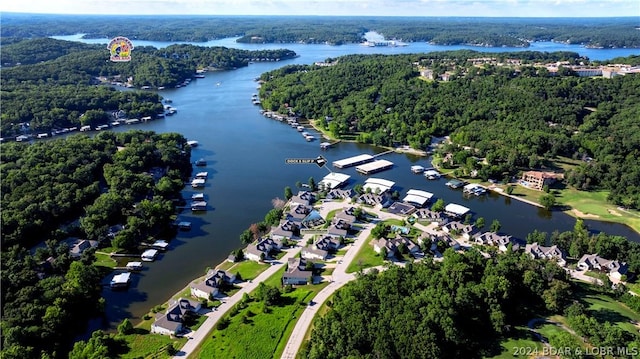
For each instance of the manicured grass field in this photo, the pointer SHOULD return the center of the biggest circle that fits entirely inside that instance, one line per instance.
(595, 203)
(248, 269)
(144, 345)
(605, 308)
(104, 260)
(255, 334)
(521, 341)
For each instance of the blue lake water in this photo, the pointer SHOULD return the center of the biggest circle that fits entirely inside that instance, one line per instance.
(246, 152)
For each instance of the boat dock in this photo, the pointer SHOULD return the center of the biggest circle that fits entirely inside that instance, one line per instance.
(374, 167)
(353, 161)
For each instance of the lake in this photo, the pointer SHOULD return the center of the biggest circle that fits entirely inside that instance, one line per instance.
(246, 153)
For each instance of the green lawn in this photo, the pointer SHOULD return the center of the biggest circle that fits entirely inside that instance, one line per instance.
(248, 269)
(104, 260)
(520, 341)
(255, 334)
(605, 308)
(365, 258)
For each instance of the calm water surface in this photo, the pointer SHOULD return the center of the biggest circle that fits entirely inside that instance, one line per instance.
(246, 152)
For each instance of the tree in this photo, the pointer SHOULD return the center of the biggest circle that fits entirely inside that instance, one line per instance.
(246, 236)
(495, 226)
(288, 193)
(125, 327)
(312, 184)
(548, 201)
(480, 223)
(509, 190)
(438, 206)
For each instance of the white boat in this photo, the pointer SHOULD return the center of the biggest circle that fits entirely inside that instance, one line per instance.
(199, 206)
(160, 244)
(197, 196)
(300, 128)
(202, 175)
(184, 225)
(134, 266)
(417, 169)
(201, 162)
(193, 143)
(149, 255)
(198, 182)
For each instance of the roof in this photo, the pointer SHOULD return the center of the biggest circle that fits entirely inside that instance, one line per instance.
(456, 209)
(334, 179)
(418, 197)
(375, 183)
(121, 278)
(374, 166)
(353, 160)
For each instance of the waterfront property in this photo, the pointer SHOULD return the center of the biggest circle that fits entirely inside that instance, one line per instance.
(537, 179)
(466, 231)
(134, 266)
(474, 189)
(305, 198)
(261, 249)
(171, 322)
(212, 284)
(373, 199)
(432, 216)
(149, 255)
(353, 161)
(392, 246)
(374, 167)
(454, 183)
(497, 240)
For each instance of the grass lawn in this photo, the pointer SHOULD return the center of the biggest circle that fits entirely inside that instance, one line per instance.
(255, 334)
(521, 341)
(634, 287)
(248, 269)
(594, 203)
(104, 260)
(142, 344)
(365, 258)
(605, 308)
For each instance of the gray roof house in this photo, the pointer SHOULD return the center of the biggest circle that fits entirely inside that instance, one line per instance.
(296, 273)
(333, 230)
(303, 198)
(260, 250)
(537, 251)
(337, 193)
(498, 240)
(80, 246)
(298, 213)
(467, 231)
(328, 243)
(614, 268)
(314, 253)
(285, 229)
(432, 216)
(392, 245)
(210, 287)
(170, 322)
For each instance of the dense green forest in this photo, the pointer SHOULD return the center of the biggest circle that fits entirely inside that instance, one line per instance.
(513, 118)
(596, 32)
(130, 178)
(461, 307)
(54, 89)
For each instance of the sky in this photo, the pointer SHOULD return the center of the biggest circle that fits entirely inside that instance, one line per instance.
(483, 8)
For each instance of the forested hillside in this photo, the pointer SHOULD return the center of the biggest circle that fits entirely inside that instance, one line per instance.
(55, 88)
(128, 178)
(513, 117)
(595, 32)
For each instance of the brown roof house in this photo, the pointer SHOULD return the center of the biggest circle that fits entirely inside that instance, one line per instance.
(171, 322)
(613, 268)
(296, 273)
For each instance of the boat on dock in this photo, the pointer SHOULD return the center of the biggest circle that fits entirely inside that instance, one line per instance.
(185, 226)
(198, 182)
(160, 244)
(134, 266)
(474, 189)
(325, 145)
(454, 184)
(300, 128)
(309, 138)
(193, 143)
(149, 255)
(417, 169)
(201, 162)
(199, 206)
(431, 174)
(202, 175)
(197, 196)
(120, 281)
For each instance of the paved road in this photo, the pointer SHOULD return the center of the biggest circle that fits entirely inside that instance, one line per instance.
(197, 337)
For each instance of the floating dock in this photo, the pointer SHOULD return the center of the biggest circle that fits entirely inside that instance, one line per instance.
(353, 161)
(418, 197)
(374, 167)
(456, 210)
(378, 185)
(334, 179)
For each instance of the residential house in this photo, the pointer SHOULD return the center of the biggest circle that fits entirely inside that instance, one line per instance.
(171, 322)
(337, 193)
(431, 216)
(613, 268)
(336, 231)
(79, 246)
(372, 199)
(391, 245)
(298, 213)
(313, 253)
(347, 215)
(304, 198)
(537, 251)
(210, 287)
(447, 240)
(285, 230)
(259, 251)
(296, 273)
(466, 231)
(537, 179)
(328, 243)
(497, 240)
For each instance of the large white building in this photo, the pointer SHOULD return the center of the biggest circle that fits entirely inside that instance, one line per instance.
(378, 185)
